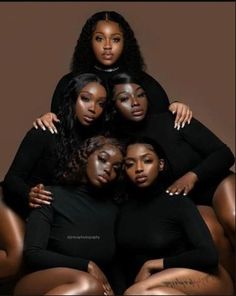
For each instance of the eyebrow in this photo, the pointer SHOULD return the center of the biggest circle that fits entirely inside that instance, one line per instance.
(87, 92)
(126, 92)
(140, 156)
(97, 32)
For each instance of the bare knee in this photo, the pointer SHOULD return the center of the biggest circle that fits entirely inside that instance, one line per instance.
(87, 284)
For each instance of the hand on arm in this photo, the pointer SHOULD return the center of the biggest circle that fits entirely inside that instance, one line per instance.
(46, 121)
(96, 272)
(148, 268)
(183, 185)
(183, 114)
(38, 196)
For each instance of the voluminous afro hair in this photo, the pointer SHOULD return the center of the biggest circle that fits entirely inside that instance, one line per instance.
(84, 59)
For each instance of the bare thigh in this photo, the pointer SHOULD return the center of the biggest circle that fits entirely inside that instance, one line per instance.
(58, 281)
(187, 281)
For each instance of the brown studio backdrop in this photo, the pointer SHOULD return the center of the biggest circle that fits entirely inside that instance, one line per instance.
(188, 47)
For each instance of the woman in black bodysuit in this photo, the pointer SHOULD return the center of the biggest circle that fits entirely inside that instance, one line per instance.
(40, 156)
(70, 244)
(200, 161)
(165, 245)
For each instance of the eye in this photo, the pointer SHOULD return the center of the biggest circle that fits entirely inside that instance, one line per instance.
(102, 158)
(141, 95)
(84, 98)
(102, 104)
(117, 167)
(123, 99)
(128, 164)
(148, 160)
(98, 38)
(116, 40)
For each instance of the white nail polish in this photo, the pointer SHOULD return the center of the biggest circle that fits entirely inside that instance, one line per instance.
(183, 124)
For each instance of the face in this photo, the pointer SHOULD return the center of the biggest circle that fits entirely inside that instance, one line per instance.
(90, 103)
(130, 101)
(103, 165)
(142, 165)
(107, 42)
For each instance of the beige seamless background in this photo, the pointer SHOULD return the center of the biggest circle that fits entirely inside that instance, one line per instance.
(189, 47)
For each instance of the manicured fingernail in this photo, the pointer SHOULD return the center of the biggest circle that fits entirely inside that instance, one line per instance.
(183, 124)
(185, 193)
(178, 127)
(51, 130)
(167, 191)
(171, 193)
(175, 125)
(44, 128)
(188, 121)
(177, 192)
(173, 112)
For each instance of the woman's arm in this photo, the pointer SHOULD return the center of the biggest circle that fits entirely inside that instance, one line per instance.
(202, 254)
(36, 241)
(30, 151)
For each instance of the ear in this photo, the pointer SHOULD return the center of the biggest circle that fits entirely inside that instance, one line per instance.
(161, 164)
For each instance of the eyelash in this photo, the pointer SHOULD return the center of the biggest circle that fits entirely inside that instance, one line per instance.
(141, 95)
(84, 99)
(102, 159)
(99, 39)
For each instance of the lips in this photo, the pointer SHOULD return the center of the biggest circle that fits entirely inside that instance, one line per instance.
(137, 112)
(103, 179)
(141, 179)
(88, 119)
(107, 55)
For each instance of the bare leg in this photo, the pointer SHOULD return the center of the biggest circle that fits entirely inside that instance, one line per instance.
(59, 281)
(183, 281)
(11, 241)
(222, 243)
(224, 206)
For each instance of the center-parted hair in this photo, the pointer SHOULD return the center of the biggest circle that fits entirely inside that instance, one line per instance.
(84, 59)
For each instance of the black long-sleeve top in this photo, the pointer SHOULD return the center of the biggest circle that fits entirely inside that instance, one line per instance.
(159, 103)
(193, 148)
(33, 163)
(77, 227)
(163, 227)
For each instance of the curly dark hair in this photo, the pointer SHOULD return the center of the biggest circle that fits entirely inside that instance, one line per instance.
(84, 59)
(70, 132)
(76, 171)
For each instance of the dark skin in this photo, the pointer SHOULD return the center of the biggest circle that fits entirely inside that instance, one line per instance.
(130, 97)
(142, 166)
(108, 44)
(101, 169)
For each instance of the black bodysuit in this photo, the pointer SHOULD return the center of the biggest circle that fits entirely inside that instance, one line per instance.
(192, 148)
(77, 227)
(159, 226)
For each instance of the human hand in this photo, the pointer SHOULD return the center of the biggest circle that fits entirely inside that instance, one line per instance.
(96, 272)
(183, 185)
(183, 114)
(46, 120)
(143, 274)
(38, 196)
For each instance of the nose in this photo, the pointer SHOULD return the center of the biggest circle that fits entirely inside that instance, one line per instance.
(139, 167)
(92, 108)
(107, 44)
(134, 102)
(107, 169)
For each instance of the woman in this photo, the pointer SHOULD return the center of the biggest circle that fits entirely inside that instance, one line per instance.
(107, 46)
(70, 244)
(165, 245)
(40, 156)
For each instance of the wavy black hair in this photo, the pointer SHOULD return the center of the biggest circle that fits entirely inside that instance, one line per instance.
(83, 59)
(70, 132)
(76, 171)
